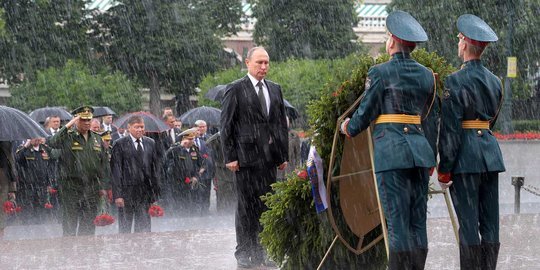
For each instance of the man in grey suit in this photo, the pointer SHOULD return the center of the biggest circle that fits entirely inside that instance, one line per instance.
(135, 167)
(254, 133)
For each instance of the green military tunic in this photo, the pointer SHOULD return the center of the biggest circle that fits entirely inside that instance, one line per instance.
(81, 176)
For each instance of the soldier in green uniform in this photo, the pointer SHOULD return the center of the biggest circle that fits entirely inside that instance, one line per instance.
(185, 166)
(470, 156)
(398, 98)
(36, 177)
(82, 178)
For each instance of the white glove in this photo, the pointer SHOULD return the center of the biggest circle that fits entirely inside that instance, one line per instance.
(445, 185)
(344, 125)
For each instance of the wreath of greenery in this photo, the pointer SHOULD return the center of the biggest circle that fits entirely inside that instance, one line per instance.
(295, 236)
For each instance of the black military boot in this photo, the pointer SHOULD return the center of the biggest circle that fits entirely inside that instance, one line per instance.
(470, 257)
(490, 252)
(400, 260)
(419, 256)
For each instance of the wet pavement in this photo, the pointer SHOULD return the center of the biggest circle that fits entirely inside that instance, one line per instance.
(177, 244)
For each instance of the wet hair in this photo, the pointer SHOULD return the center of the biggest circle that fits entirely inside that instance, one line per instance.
(200, 122)
(404, 48)
(475, 49)
(135, 119)
(252, 50)
(167, 116)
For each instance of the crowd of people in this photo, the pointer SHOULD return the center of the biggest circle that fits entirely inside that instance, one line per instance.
(63, 177)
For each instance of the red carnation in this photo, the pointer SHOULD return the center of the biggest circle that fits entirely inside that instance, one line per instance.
(48, 205)
(302, 174)
(18, 209)
(155, 211)
(9, 207)
(205, 156)
(103, 220)
(187, 180)
(52, 190)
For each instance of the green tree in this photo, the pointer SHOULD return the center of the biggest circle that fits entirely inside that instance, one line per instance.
(305, 29)
(40, 34)
(75, 84)
(164, 44)
(301, 79)
(439, 19)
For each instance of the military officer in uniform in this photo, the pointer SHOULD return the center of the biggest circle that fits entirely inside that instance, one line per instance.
(184, 168)
(36, 177)
(470, 156)
(398, 98)
(82, 177)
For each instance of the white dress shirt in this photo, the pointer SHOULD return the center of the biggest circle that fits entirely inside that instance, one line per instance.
(265, 91)
(134, 140)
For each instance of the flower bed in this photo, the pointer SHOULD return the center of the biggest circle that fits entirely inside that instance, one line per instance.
(517, 136)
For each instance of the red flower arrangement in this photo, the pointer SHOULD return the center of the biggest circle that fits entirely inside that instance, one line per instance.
(302, 174)
(518, 136)
(155, 211)
(103, 220)
(205, 156)
(187, 180)
(48, 205)
(10, 207)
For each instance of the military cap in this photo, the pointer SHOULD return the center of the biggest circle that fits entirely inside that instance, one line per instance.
(405, 28)
(85, 112)
(106, 135)
(189, 133)
(475, 30)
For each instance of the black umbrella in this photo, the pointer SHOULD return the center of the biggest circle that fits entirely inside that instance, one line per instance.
(39, 115)
(216, 93)
(102, 111)
(152, 123)
(210, 115)
(16, 125)
(291, 111)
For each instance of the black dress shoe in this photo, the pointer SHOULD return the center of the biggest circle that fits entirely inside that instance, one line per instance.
(244, 263)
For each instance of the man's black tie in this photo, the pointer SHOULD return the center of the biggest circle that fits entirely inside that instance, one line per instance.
(262, 99)
(139, 150)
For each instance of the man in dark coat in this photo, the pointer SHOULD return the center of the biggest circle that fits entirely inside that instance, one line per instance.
(399, 95)
(203, 197)
(8, 179)
(136, 169)
(184, 169)
(36, 178)
(470, 156)
(255, 142)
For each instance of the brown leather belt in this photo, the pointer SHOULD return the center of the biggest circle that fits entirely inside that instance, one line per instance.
(398, 119)
(475, 124)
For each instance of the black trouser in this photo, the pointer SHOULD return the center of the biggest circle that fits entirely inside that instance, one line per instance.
(135, 211)
(251, 184)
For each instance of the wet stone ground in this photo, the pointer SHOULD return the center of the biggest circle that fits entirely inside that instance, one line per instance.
(178, 244)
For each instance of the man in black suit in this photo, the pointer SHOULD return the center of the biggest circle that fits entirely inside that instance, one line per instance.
(135, 166)
(254, 133)
(106, 125)
(172, 135)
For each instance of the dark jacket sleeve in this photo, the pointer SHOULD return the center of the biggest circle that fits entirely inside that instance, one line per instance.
(228, 118)
(430, 122)
(451, 130)
(156, 171)
(283, 131)
(369, 107)
(116, 169)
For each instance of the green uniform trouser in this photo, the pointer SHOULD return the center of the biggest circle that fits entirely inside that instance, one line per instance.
(79, 205)
(476, 201)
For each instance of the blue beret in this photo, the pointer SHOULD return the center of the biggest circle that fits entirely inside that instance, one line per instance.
(404, 26)
(475, 28)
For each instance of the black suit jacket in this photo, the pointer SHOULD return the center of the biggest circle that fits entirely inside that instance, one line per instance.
(248, 135)
(165, 138)
(127, 170)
